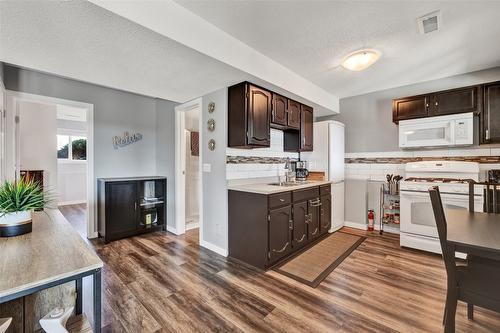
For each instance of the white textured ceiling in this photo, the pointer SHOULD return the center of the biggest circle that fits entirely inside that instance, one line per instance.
(79, 40)
(311, 38)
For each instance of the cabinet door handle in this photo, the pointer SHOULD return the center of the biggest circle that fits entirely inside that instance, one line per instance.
(283, 249)
(436, 103)
(282, 200)
(302, 238)
(135, 205)
(290, 224)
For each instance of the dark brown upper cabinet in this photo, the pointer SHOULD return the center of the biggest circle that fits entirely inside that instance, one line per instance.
(455, 101)
(306, 128)
(293, 119)
(490, 117)
(279, 114)
(254, 110)
(410, 107)
(439, 103)
(249, 116)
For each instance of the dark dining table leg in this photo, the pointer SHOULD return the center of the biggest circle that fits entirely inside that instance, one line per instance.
(470, 311)
(79, 302)
(97, 300)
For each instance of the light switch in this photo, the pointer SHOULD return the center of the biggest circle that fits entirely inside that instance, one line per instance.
(207, 167)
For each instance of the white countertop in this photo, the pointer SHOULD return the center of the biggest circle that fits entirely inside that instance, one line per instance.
(265, 188)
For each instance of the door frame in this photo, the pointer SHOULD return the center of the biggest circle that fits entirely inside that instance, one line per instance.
(180, 168)
(3, 134)
(13, 100)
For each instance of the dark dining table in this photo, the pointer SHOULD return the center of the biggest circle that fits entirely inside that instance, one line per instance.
(473, 233)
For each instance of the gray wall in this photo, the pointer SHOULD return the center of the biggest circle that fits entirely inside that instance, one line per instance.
(214, 182)
(115, 111)
(368, 118)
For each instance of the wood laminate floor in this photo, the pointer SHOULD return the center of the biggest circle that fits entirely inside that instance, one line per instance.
(77, 217)
(160, 282)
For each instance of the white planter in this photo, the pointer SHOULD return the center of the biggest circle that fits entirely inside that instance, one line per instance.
(16, 218)
(15, 224)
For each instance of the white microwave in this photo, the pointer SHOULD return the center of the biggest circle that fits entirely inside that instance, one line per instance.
(451, 130)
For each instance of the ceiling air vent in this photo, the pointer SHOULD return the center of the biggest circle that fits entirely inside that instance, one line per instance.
(430, 22)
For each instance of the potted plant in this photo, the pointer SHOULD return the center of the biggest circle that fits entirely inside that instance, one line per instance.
(17, 200)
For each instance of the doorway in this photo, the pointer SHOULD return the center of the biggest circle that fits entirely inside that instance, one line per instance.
(188, 181)
(53, 140)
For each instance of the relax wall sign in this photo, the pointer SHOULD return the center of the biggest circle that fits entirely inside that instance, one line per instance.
(126, 139)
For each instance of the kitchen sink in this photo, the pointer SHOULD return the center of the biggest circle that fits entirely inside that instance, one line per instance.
(289, 183)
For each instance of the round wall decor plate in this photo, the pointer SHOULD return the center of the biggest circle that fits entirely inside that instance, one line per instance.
(211, 125)
(211, 107)
(211, 144)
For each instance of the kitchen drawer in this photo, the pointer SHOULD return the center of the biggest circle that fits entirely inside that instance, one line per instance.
(325, 189)
(303, 195)
(280, 199)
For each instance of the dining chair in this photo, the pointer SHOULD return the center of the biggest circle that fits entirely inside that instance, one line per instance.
(475, 283)
(490, 202)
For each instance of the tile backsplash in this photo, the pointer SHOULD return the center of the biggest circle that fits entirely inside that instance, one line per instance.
(375, 165)
(258, 162)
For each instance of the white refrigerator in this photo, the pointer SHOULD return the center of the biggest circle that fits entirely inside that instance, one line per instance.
(328, 156)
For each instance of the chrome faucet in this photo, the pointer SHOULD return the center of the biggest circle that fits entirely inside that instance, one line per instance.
(289, 174)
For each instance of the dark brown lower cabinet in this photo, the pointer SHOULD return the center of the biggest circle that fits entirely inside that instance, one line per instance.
(280, 233)
(299, 224)
(325, 219)
(266, 229)
(313, 220)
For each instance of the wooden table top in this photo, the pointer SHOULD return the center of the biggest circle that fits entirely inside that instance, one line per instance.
(474, 230)
(52, 251)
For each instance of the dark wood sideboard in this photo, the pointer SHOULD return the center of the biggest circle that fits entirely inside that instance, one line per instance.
(131, 206)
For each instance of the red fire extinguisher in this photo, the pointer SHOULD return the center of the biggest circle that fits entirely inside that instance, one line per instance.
(371, 220)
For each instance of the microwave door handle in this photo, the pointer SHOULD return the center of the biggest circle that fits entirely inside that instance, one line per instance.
(451, 138)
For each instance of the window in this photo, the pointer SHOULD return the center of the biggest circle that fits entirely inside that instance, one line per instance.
(78, 145)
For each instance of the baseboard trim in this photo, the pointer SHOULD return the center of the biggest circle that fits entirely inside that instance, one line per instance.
(173, 230)
(214, 248)
(74, 202)
(355, 225)
(93, 235)
(333, 229)
(190, 226)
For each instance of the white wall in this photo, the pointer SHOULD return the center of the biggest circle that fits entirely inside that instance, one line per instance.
(258, 170)
(38, 141)
(71, 182)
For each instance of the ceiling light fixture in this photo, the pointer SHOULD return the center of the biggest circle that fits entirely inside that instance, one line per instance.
(359, 60)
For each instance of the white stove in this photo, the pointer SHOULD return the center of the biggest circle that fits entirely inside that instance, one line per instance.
(418, 227)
